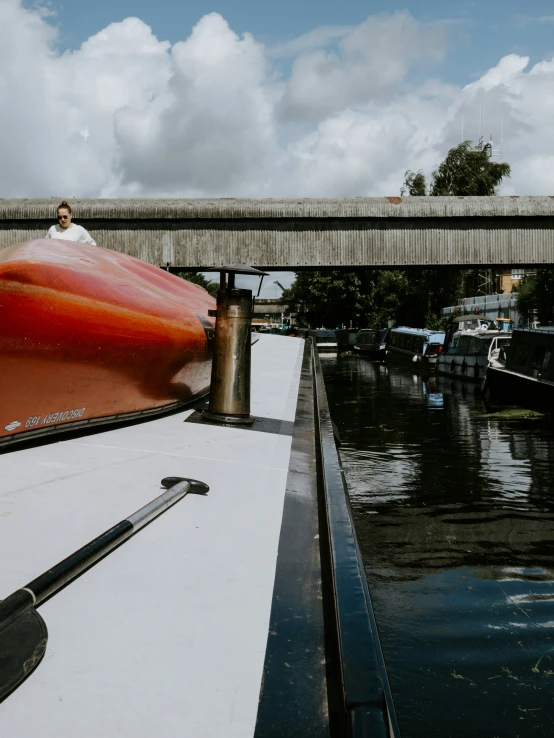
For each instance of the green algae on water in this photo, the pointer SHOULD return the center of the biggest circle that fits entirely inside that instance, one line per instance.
(514, 413)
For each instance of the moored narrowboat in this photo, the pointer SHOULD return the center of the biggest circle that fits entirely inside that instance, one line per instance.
(527, 379)
(346, 339)
(326, 340)
(471, 342)
(417, 345)
(372, 343)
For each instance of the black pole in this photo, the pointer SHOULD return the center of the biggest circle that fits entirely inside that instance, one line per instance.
(23, 632)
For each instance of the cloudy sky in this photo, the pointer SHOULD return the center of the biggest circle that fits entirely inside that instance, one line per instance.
(291, 99)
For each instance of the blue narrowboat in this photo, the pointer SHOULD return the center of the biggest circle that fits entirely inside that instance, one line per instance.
(418, 345)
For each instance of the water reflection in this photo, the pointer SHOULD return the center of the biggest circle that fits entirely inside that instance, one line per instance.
(455, 518)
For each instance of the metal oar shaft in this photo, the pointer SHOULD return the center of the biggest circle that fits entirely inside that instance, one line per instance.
(23, 632)
(58, 576)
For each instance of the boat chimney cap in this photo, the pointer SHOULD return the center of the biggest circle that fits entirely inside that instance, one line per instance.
(238, 269)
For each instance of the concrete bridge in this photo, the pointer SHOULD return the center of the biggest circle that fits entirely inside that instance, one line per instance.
(296, 234)
(271, 306)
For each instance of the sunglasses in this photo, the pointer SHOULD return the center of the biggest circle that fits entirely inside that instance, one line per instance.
(63, 217)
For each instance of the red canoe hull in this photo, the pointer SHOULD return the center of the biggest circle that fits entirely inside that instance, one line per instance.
(87, 333)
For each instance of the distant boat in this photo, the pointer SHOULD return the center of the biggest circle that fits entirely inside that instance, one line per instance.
(372, 343)
(346, 339)
(326, 340)
(417, 345)
(91, 335)
(471, 343)
(527, 379)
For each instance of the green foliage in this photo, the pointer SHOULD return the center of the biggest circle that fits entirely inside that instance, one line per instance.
(388, 290)
(468, 170)
(414, 184)
(536, 294)
(200, 279)
(414, 296)
(328, 298)
(372, 297)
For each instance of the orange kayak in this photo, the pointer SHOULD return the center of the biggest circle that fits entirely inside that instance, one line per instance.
(89, 334)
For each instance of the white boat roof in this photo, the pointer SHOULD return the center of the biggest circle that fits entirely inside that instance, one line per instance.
(417, 331)
(482, 333)
(167, 635)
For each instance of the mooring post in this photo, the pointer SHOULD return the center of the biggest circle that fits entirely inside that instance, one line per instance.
(230, 383)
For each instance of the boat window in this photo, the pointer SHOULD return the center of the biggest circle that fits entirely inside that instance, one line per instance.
(464, 344)
(541, 358)
(521, 352)
(434, 348)
(477, 346)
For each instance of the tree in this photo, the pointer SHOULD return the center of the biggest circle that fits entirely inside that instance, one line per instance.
(414, 184)
(466, 170)
(200, 279)
(536, 294)
(372, 297)
(329, 298)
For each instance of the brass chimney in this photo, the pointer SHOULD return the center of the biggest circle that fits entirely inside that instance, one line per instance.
(230, 382)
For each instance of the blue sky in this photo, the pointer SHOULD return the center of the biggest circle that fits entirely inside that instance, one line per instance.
(480, 32)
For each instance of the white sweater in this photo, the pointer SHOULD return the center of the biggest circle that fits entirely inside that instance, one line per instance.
(73, 233)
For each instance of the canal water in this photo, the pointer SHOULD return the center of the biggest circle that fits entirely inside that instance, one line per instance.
(454, 513)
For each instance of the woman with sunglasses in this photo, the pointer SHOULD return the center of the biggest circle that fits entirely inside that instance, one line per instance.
(67, 230)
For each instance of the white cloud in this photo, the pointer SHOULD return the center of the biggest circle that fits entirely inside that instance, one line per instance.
(371, 60)
(316, 39)
(213, 130)
(213, 115)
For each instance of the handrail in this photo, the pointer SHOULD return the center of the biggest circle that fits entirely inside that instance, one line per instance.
(367, 694)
